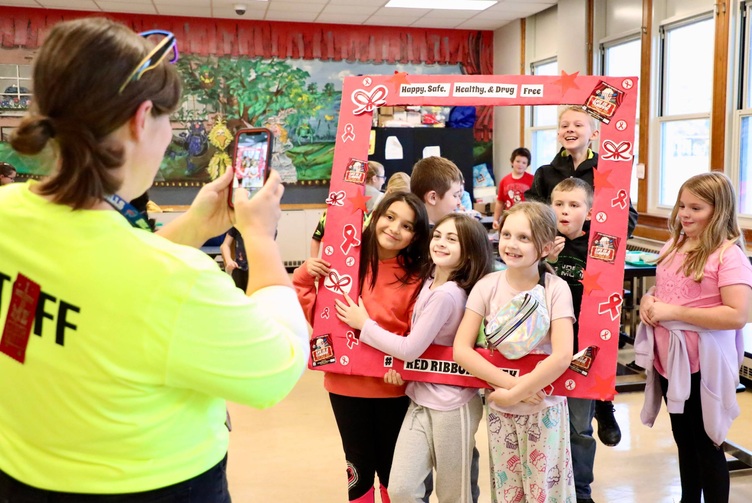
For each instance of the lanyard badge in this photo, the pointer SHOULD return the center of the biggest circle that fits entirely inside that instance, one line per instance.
(134, 217)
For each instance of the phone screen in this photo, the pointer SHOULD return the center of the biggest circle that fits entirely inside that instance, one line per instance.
(251, 163)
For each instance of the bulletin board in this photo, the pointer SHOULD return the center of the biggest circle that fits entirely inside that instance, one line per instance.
(612, 100)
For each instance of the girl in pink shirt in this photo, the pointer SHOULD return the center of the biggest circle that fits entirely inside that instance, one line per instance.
(703, 279)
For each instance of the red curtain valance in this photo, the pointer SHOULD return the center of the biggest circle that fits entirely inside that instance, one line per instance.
(27, 27)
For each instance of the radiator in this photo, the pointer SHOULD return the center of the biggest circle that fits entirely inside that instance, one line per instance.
(292, 264)
(745, 373)
(644, 245)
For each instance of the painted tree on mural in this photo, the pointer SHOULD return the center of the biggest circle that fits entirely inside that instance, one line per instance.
(272, 93)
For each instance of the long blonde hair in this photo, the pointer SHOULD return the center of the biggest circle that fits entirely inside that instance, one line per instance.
(715, 189)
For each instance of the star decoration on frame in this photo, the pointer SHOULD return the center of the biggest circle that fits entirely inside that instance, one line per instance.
(591, 281)
(566, 81)
(398, 79)
(600, 179)
(604, 386)
(358, 202)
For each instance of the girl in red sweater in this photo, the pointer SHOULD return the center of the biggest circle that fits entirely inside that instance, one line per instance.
(393, 265)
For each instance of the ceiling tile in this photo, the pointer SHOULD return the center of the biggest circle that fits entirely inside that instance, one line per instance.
(436, 23)
(73, 4)
(280, 8)
(132, 8)
(184, 10)
(482, 24)
(298, 17)
(342, 18)
(349, 9)
(21, 3)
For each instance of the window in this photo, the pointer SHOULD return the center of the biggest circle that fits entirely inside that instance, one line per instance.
(544, 122)
(15, 87)
(743, 129)
(685, 97)
(622, 58)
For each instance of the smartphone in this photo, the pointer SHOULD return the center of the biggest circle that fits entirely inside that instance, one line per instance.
(251, 161)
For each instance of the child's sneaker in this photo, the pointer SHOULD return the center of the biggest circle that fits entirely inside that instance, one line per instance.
(608, 429)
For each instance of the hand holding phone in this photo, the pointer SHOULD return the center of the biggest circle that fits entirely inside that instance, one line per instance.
(251, 161)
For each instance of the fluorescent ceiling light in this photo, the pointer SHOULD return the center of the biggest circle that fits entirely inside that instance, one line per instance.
(442, 4)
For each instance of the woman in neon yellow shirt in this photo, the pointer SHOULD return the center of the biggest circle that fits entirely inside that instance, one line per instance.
(138, 338)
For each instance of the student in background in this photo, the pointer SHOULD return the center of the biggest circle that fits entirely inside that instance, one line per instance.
(237, 267)
(528, 432)
(374, 182)
(439, 429)
(438, 183)
(393, 266)
(576, 130)
(398, 182)
(690, 339)
(513, 186)
(7, 173)
(572, 201)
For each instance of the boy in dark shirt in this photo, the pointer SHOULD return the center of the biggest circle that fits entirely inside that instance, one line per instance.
(572, 200)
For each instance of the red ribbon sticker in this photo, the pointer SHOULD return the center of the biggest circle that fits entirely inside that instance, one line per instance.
(351, 340)
(620, 200)
(614, 152)
(612, 306)
(325, 313)
(349, 233)
(369, 101)
(349, 133)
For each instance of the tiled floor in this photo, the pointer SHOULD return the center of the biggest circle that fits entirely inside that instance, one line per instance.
(292, 453)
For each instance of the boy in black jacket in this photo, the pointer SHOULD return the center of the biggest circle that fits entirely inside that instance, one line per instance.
(572, 201)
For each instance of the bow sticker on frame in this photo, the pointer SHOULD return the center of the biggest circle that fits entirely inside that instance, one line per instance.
(368, 101)
(338, 283)
(336, 198)
(610, 151)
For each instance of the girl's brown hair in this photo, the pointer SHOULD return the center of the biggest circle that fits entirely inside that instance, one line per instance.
(542, 227)
(374, 168)
(77, 75)
(413, 259)
(715, 189)
(476, 256)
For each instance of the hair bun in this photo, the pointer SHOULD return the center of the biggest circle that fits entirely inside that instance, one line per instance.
(32, 134)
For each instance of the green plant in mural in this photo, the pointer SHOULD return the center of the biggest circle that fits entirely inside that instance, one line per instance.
(261, 92)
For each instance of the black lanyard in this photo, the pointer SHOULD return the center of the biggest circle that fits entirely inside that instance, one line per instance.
(134, 217)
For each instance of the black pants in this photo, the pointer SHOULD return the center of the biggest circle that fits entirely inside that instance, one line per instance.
(240, 277)
(209, 487)
(369, 428)
(702, 465)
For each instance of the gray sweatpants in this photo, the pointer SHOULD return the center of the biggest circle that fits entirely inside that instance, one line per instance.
(434, 439)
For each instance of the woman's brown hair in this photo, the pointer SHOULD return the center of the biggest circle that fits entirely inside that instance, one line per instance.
(476, 256)
(77, 75)
(717, 190)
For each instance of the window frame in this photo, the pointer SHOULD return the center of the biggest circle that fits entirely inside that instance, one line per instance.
(659, 119)
(19, 83)
(603, 46)
(742, 111)
(532, 129)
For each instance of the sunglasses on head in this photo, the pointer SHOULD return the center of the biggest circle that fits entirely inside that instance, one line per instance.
(166, 46)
